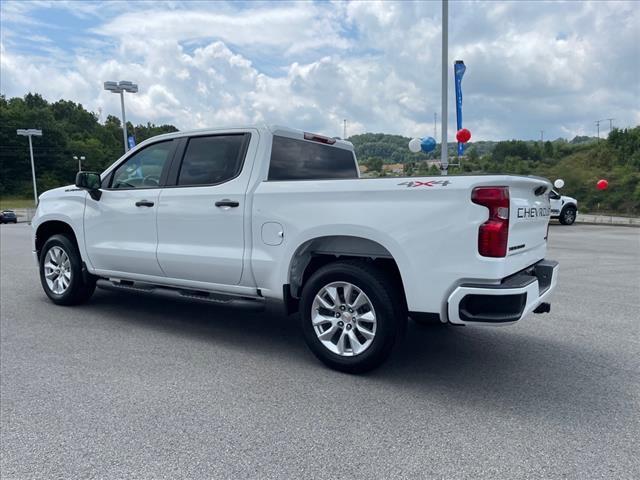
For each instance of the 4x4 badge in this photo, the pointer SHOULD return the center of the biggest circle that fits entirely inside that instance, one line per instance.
(430, 183)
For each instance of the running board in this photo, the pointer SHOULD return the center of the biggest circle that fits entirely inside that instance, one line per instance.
(177, 292)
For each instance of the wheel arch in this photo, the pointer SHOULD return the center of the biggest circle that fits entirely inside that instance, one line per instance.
(319, 251)
(53, 227)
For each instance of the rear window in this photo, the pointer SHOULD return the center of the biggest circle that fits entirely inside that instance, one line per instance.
(302, 160)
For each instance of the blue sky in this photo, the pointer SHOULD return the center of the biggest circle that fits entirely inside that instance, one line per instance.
(531, 66)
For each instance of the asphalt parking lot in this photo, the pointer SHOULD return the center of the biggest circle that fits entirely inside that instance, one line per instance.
(133, 386)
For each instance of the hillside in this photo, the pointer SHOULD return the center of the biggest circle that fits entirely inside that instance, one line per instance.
(581, 162)
(69, 129)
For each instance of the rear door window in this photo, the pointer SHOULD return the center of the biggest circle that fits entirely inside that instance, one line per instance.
(293, 159)
(212, 160)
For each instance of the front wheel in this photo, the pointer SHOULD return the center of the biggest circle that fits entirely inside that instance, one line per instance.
(61, 272)
(568, 215)
(351, 316)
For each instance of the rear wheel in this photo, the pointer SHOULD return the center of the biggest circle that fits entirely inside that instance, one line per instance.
(351, 316)
(61, 272)
(568, 215)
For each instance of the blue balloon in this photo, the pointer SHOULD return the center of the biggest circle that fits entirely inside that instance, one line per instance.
(428, 144)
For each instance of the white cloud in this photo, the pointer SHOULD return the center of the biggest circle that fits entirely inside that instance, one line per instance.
(291, 28)
(531, 66)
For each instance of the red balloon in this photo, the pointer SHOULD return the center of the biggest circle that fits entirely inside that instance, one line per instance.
(602, 184)
(463, 135)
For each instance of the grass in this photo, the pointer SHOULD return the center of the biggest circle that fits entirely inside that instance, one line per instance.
(11, 203)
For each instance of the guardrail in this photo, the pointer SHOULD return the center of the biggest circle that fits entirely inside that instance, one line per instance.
(607, 220)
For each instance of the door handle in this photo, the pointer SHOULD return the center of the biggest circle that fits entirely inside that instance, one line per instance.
(227, 203)
(144, 203)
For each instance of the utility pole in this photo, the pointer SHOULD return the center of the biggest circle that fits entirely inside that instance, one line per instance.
(603, 120)
(541, 136)
(344, 129)
(444, 150)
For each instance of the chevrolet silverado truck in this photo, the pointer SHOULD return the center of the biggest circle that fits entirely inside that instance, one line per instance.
(257, 213)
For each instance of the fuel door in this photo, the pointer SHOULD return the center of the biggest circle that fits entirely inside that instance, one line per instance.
(272, 233)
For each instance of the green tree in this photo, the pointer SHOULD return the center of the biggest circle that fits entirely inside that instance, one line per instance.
(68, 129)
(374, 164)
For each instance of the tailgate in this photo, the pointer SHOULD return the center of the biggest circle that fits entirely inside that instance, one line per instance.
(529, 214)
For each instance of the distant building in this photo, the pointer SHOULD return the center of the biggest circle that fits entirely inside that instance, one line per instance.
(397, 168)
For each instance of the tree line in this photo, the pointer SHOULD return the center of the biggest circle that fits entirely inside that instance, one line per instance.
(69, 129)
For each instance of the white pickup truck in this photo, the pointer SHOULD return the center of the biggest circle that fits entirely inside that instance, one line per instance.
(563, 208)
(256, 213)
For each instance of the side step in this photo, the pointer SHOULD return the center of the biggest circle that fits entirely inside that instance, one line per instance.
(176, 292)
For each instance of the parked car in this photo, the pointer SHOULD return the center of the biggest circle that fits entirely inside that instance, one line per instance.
(563, 208)
(255, 213)
(8, 216)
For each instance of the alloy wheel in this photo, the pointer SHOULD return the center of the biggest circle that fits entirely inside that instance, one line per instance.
(57, 270)
(569, 215)
(343, 319)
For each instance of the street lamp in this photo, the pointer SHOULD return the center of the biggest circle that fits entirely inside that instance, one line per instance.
(30, 132)
(121, 87)
(444, 146)
(80, 160)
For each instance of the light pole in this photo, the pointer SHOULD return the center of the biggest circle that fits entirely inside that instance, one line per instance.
(121, 87)
(80, 160)
(444, 148)
(30, 132)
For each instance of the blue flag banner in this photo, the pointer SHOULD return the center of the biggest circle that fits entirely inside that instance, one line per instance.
(131, 141)
(458, 71)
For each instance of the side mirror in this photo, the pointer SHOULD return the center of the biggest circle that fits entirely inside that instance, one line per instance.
(559, 183)
(89, 181)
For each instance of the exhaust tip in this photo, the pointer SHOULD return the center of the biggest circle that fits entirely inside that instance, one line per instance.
(543, 308)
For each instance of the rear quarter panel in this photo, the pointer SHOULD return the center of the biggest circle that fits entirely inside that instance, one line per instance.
(429, 225)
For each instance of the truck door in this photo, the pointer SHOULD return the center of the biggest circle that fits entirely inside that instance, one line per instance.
(120, 227)
(556, 203)
(201, 210)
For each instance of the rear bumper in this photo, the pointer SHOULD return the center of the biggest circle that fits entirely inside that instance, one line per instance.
(504, 303)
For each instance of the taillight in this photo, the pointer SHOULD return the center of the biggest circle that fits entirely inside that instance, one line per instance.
(493, 234)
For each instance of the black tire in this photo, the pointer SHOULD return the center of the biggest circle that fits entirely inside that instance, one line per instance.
(568, 215)
(387, 302)
(81, 286)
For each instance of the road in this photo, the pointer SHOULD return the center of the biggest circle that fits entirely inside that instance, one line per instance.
(139, 386)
